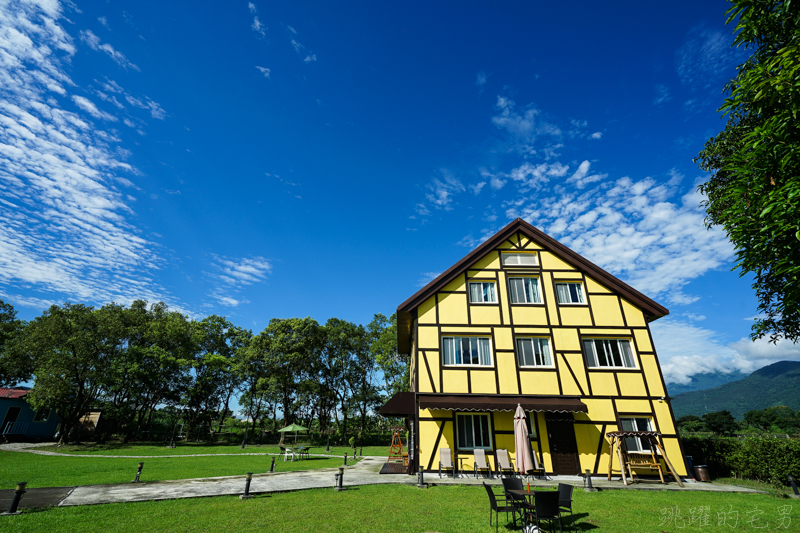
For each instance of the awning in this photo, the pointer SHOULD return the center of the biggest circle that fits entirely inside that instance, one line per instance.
(633, 434)
(401, 404)
(503, 403)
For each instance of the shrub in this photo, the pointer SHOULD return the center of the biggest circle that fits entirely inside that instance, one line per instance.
(761, 459)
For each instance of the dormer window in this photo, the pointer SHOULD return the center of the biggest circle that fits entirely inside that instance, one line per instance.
(519, 259)
(482, 292)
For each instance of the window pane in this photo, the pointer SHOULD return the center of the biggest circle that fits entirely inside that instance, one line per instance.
(613, 346)
(473, 350)
(470, 440)
(515, 285)
(627, 424)
(562, 293)
(475, 292)
(488, 292)
(462, 431)
(632, 443)
(523, 351)
(533, 291)
(546, 352)
(447, 346)
(484, 430)
(486, 357)
(579, 291)
(591, 358)
(627, 356)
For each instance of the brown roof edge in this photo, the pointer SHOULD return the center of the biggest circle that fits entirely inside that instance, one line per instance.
(399, 405)
(652, 309)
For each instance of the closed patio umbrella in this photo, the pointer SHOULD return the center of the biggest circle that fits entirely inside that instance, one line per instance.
(523, 450)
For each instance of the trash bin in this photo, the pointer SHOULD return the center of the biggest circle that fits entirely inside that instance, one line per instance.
(701, 473)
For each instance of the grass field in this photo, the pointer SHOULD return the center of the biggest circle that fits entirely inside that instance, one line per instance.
(389, 508)
(55, 471)
(187, 448)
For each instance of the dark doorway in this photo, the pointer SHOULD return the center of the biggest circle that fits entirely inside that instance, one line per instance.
(8, 421)
(563, 447)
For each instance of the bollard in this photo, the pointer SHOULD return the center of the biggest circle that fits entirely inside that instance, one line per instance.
(340, 486)
(336, 481)
(18, 492)
(272, 466)
(794, 487)
(345, 459)
(246, 494)
(138, 473)
(421, 479)
(361, 451)
(589, 487)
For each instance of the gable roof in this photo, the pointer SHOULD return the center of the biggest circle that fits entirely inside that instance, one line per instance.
(651, 309)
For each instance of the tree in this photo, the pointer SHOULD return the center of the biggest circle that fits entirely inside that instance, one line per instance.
(690, 424)
(71, 357)
(721, 423)
(15, 365)
(383, 347)
(754, 190)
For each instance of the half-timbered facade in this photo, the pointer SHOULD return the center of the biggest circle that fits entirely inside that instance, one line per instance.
(524, 320)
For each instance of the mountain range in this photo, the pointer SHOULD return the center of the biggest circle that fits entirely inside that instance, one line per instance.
(776, 384)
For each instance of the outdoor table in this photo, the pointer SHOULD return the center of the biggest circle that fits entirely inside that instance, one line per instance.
(461, 466)
(530, 494)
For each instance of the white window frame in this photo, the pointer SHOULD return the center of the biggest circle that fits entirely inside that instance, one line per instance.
(535, 290)
(579, 292)
(606, 359)
(544, 359)
(453, 352)
(635, 423)
(462, 442)
(485, 297)
(515, 259)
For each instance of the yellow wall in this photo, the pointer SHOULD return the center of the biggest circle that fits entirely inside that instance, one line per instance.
(606, 393)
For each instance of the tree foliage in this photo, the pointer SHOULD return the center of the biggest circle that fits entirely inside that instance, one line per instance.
(14, 365)
(720, 423)
(754, 190)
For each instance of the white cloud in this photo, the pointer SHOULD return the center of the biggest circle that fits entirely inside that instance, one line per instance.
(311, 57)
(156, 111)
(442, 191)
(525, 127)
(297, 46)
(635, 230)
(427, 277)
(596, 135)
(258, 26)
(291, 29)
(90, 108)
(243, 271)
(252, 7)
(476, 188)
(705, 57)
(480, 81)
(662, 95)
(581, 178)
(65, 229)
(422, 210)
(93, 41)
(264, 71)
(685, 350)
(104, 22)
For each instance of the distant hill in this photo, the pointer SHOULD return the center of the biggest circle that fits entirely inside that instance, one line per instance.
(705, 381)
(776, 384)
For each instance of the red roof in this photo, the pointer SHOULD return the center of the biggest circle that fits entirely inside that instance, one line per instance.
(12, 393)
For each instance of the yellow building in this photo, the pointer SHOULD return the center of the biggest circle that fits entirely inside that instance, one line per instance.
(523, 319)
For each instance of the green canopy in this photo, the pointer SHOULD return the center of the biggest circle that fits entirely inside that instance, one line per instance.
(293, 427)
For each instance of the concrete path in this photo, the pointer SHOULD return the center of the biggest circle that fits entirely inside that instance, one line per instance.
(364, 472)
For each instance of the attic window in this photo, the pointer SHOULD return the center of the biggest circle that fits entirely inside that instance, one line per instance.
(519, 259)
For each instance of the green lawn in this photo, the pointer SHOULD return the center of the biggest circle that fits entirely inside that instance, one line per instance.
(389, 508)
(187, 448)
(55, 471)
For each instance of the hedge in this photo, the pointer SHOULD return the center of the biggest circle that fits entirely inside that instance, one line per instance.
(760, 459)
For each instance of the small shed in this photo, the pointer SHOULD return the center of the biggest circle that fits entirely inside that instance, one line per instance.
(20, 421)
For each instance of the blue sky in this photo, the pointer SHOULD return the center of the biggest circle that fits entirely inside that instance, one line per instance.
(260, 160)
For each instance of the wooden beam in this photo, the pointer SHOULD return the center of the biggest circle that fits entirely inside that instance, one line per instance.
(666, 460)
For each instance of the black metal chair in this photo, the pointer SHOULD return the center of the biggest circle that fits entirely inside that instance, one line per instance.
(565, 498)
(515, 483)
(499, 505)
(546, 508)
